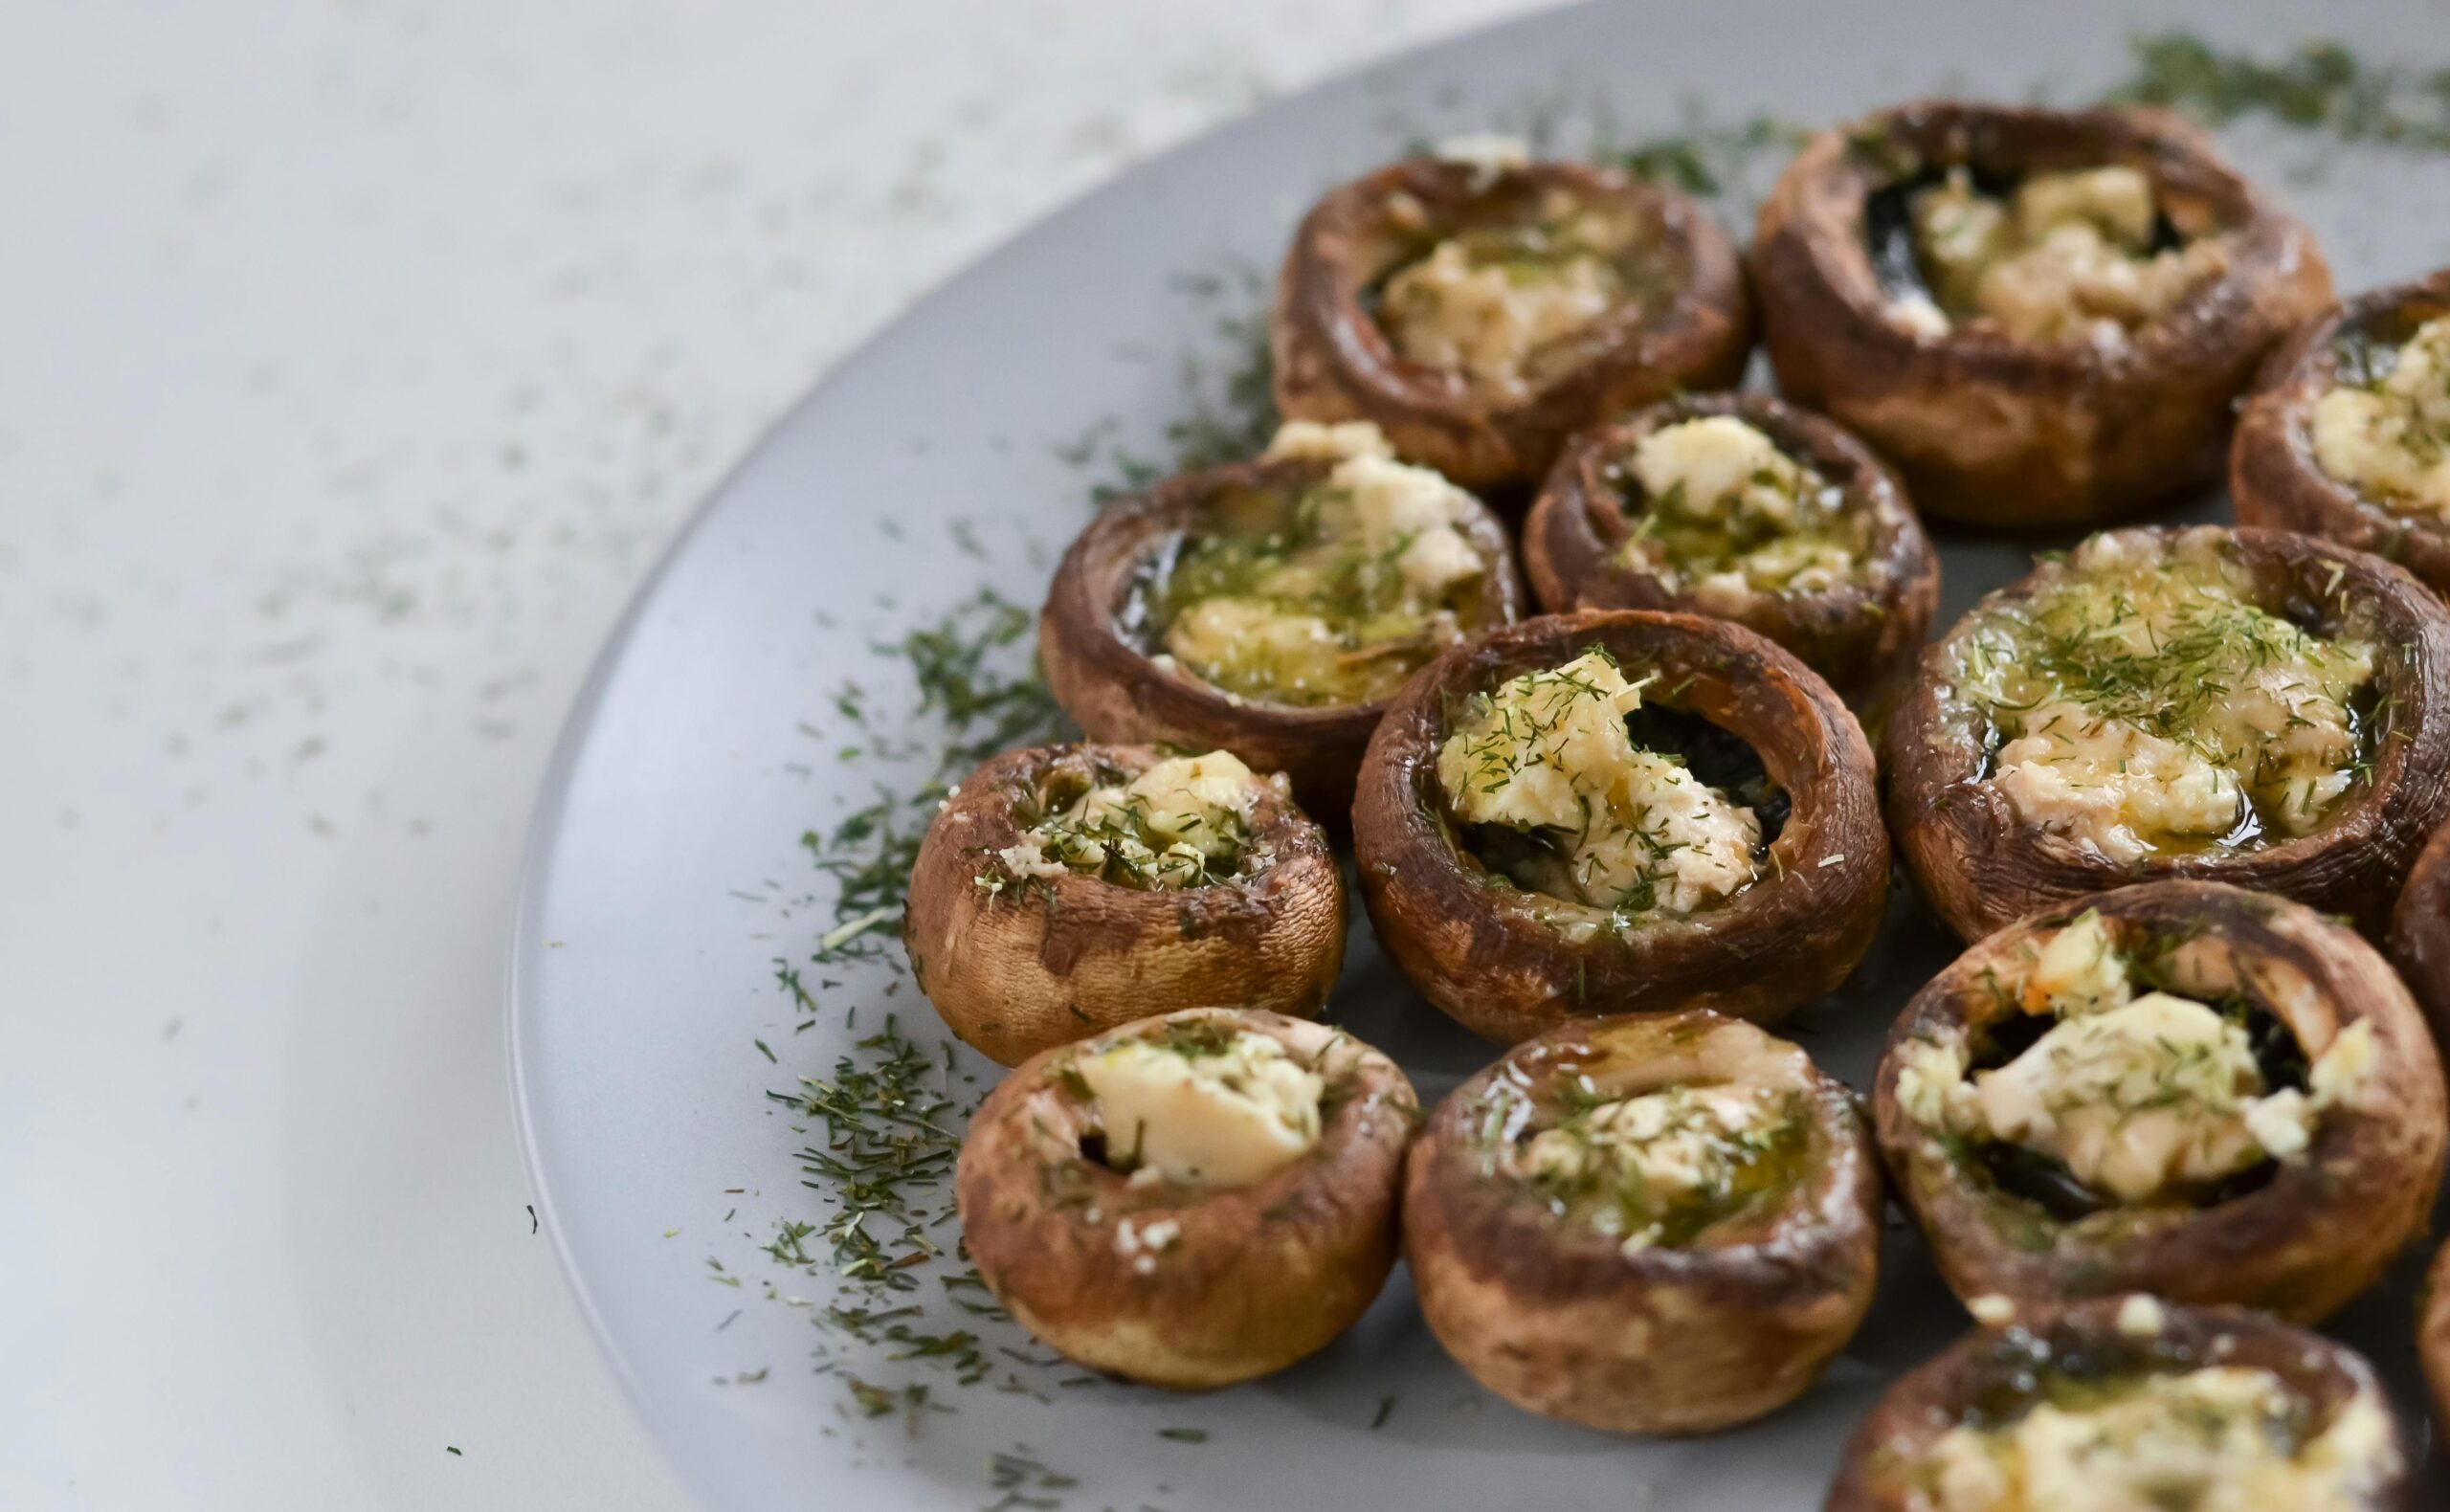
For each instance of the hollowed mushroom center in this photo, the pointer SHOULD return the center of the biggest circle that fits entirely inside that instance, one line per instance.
(1718, 510)
(1184, 822)
(2080, 256)
(1329, 596)
(1566, 785)
(2227, 1438)
(1198, 1103)
(2097, 1081)
(2143, 700)
(2384, 428)
(1503, 299)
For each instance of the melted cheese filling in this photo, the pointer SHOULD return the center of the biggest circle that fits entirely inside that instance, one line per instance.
(1656, 1153)
(1549, 754)
(1203, 1110)
(1342, 600)
(2135, 1094)
(2066, 258)
(1490, 304)
(2147, 704)
(1731, 515)
(2222, 1438)
(2390, 439)
(1179, 824)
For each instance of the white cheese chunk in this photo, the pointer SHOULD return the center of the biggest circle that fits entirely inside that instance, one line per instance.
(1488, 153)
(1225, 1119)
(2220, 1438)
(1717, 465)
(1667, 842)
(1312, 440)
(2133, 1099)
(1412, 512)
(1551, 751)
(2142, 1317)
(2392, 441)
(1665, 1145)
(2066, 259)
(2079, 970)
(2120, 789)
(1486, 319)
(1167, 825)
(1547, 745)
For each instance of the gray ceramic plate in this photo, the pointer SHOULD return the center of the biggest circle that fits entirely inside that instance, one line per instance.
(665, 880)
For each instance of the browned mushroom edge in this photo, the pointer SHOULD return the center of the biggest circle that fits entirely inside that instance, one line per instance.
(2273, 473)
(1335, 362)
(1986, 429)
(2420, 934)
(1862, 634)
(1991, 1379)
(2296, 1236)
(1184, 1286)
(1017, 965)
(2432, 1338)
(1677, 1333)
(1100, 661)
(1980, 867)
(1502, 961)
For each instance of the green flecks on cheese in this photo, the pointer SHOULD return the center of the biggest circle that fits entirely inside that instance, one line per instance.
(2145, 701)
(1548, 754)
(2137, 1094)
(1332, 597)
(2220, 1439)
(1726, 514)
(1181, 823)
(1495, 303)
(2390, 439)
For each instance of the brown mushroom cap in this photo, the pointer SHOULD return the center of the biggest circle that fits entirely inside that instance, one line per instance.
(1986, 1376)
(2272, 470)
(1561, 1320)
(1485, 955)
(1110, 686)
(2300, 1244)
(1863, 637)
(2432, 1338)
(1991, 429)
(1980, 867)
(1249, 1278)
(2420, 934)
(1333, 362)
(1046, 961)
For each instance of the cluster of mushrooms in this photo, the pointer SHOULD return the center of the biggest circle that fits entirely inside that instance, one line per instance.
(2168, 1108)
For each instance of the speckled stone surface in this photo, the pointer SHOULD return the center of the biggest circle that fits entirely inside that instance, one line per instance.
(359, 360)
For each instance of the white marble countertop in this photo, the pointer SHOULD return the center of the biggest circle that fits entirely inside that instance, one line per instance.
(359, 360)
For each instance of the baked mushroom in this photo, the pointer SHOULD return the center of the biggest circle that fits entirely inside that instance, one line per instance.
(2212, 1095)
(1619, 811)
(2346, 435)
(1191, 1200)
(2040, 315)
(1480, 308)
(1271, 609)
(2250, 706)
(2130, 1406)
(1066, 889)
(2421, 933)
(1653, 1224)
(1742, 508)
